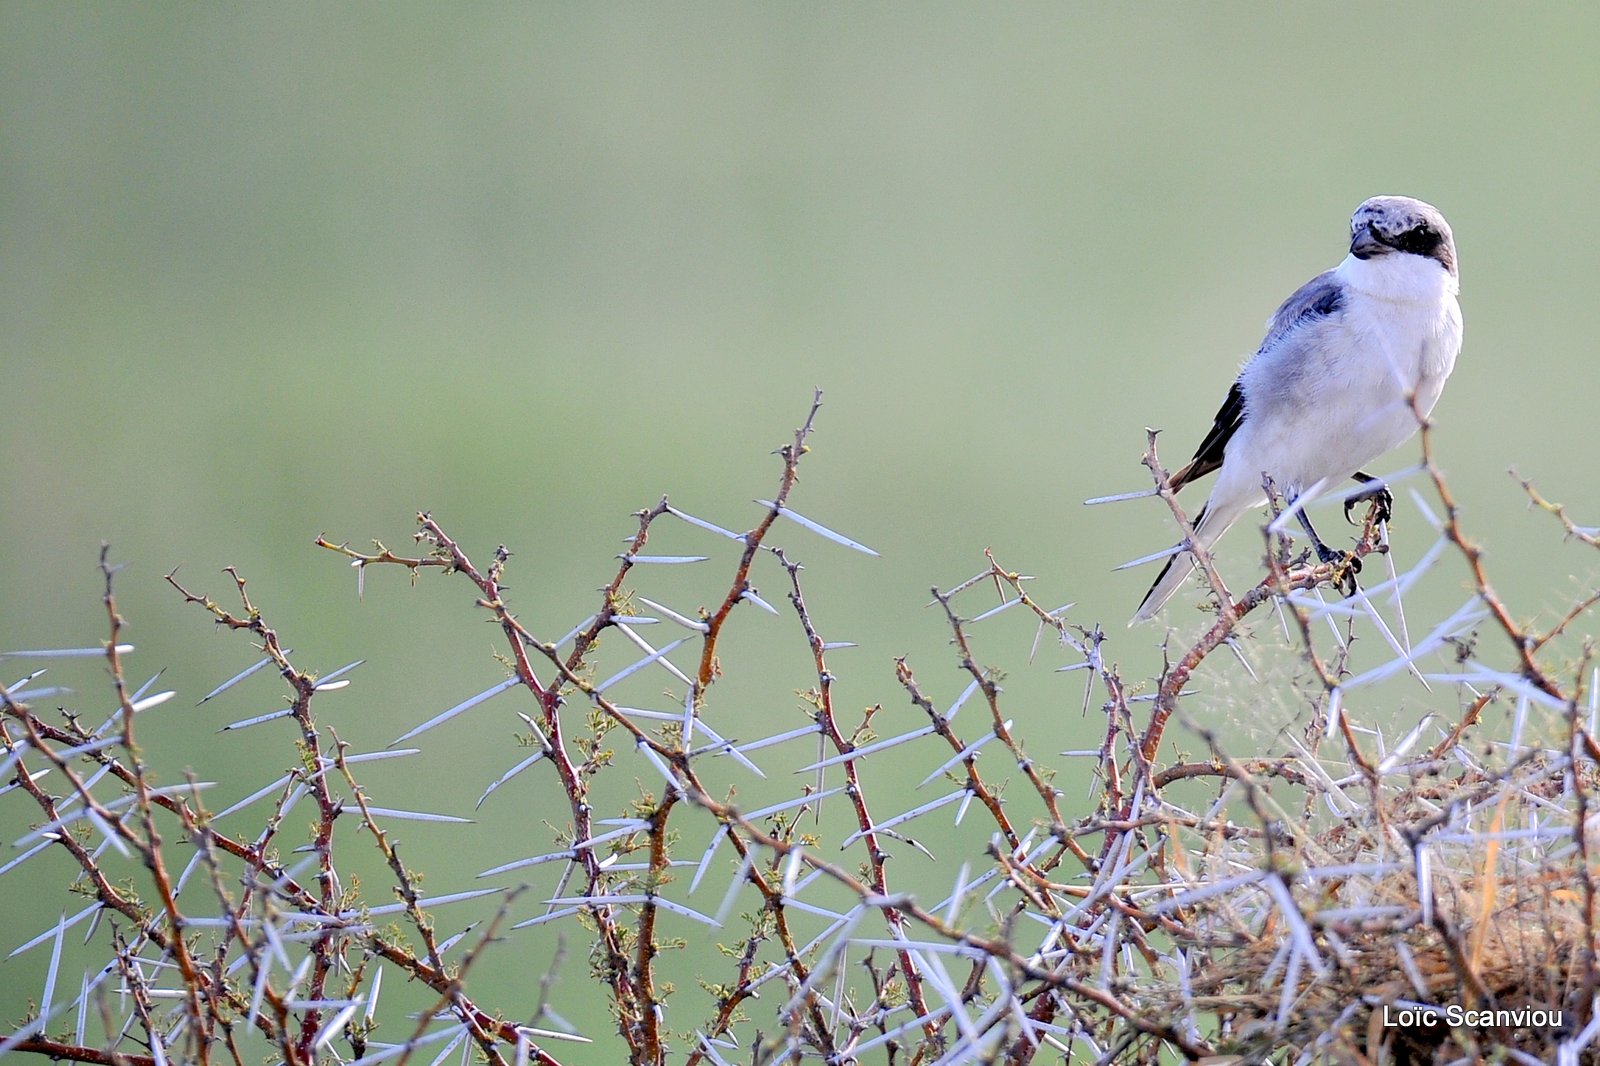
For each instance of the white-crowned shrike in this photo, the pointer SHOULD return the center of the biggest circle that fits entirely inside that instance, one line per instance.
(1351, 364)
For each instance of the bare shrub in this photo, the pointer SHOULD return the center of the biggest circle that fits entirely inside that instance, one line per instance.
(1279, 907)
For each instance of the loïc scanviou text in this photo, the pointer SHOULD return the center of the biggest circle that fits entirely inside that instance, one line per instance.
(1456, 1015)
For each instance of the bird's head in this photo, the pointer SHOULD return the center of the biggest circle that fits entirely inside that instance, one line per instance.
(1399, 225)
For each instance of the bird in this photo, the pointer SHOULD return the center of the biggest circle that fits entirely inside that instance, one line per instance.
(1351, 365)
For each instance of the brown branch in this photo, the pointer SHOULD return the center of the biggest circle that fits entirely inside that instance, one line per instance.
(1523, 643)
(791, 455)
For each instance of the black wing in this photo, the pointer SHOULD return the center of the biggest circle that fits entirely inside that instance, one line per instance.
(1208, 456)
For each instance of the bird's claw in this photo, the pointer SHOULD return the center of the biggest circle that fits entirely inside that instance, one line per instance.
(1345, 568)
(1345, 578)
(1382, 501)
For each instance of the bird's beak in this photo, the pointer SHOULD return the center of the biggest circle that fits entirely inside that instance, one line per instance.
(1365, 243)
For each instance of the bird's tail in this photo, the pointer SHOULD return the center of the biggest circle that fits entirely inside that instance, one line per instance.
(1209, 526)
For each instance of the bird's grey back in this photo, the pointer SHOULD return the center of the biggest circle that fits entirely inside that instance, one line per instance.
(1317, 298)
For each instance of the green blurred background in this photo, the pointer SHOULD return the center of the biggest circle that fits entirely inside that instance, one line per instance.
(275, 270)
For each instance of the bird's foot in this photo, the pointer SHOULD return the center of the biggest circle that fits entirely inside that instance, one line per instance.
(1379, 496)
(1345, 568)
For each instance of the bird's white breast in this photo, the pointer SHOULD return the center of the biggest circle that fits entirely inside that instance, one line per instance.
(1403, 327)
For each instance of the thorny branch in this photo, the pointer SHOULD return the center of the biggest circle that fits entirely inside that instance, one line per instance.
(1145, 926)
